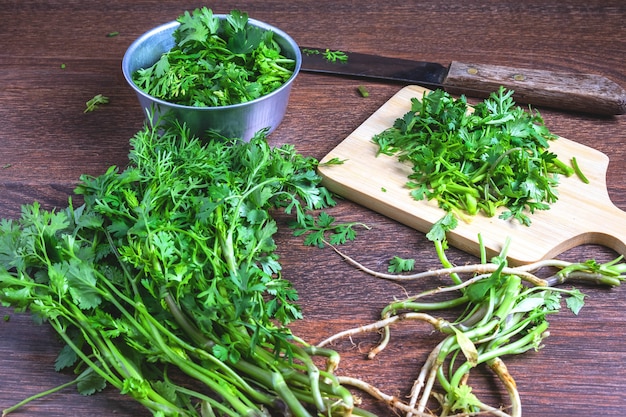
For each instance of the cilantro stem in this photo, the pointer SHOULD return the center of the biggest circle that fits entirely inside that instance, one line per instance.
(150, 399)
(440, 249)
(563, 168)
(241, 408)
(42, 394)
(578, 171)
(276, 382)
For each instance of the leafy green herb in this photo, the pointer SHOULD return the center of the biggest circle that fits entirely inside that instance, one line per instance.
(93, 103)
(317, 229)
(171, 264)
(464, 399)
(330, 56)
(575, 301)
(439, 229)
(216, 62)
(334, 56)
(470, 162)
(397, 265)
(112, 34)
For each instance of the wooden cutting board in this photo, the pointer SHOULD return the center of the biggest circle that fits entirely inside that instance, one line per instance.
(584, 213)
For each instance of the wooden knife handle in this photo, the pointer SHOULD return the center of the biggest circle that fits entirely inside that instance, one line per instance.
(587, 93)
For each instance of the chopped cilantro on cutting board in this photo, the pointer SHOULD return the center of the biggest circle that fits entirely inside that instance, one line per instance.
(496, 156)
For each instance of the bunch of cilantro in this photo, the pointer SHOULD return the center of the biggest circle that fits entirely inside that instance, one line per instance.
(476, 161)
(498, 311)
(216, 62)
(169, 267)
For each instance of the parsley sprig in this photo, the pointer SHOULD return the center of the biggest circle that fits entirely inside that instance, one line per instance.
(470, 162)
(216, 62)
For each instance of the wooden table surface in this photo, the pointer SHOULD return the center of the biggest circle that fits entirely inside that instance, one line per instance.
(55, 56)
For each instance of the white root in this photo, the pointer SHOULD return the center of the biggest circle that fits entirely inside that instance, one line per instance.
(396, 403)
(523, 271)
(429, 376)
(376, 393)
(500, 369)
(435, 322)
(422, 389)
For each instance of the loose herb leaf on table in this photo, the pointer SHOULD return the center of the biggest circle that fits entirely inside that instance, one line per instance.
(324, 229)
(476, 161)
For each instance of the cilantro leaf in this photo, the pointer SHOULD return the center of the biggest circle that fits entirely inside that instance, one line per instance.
(439, 229)
(575, 301)
(464, 399)
(89, 382)
(496, 156)
(397, 265)
(216, 62)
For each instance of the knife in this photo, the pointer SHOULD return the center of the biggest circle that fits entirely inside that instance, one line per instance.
(587, 93)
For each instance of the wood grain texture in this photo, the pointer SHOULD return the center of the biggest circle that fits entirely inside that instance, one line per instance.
(569, 91)
(46, 142)
(378, 182)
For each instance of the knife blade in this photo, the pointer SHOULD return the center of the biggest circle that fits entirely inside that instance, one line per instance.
(579, 92)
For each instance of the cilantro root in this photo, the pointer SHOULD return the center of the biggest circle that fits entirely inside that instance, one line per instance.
(503, 312)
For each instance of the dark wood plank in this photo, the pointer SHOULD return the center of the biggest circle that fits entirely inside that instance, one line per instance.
(47, 142)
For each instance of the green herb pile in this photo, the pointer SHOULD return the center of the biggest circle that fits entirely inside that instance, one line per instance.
(169, 269)
(470, 162)
(216, 62)
(503, 312)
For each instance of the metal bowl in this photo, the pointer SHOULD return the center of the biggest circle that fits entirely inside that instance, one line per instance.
(233, 121)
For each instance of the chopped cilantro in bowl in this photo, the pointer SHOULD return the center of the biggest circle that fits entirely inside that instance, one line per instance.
(220, 74)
